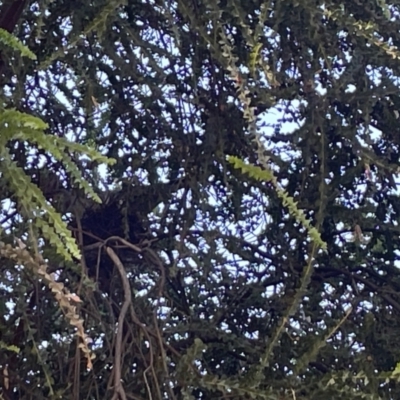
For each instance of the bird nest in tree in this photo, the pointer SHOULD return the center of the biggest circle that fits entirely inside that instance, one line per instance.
(111, 224)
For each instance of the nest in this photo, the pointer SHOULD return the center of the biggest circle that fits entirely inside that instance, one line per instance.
(99, 225)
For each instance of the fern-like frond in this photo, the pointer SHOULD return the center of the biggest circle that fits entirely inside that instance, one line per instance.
(35, 205)
(15, 125)
(288, 201)
(11, 41)
(9, 347)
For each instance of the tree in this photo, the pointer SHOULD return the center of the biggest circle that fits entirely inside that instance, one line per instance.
(230, 256)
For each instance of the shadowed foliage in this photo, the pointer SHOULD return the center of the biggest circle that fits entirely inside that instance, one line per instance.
(246, 245)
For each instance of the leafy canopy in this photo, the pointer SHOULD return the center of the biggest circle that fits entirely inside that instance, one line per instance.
(247, 242)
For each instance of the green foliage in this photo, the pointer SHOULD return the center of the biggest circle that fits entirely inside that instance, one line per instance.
(23, 127)
(12, 42)
(4, 346)
(267, 176)
(270, 274)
